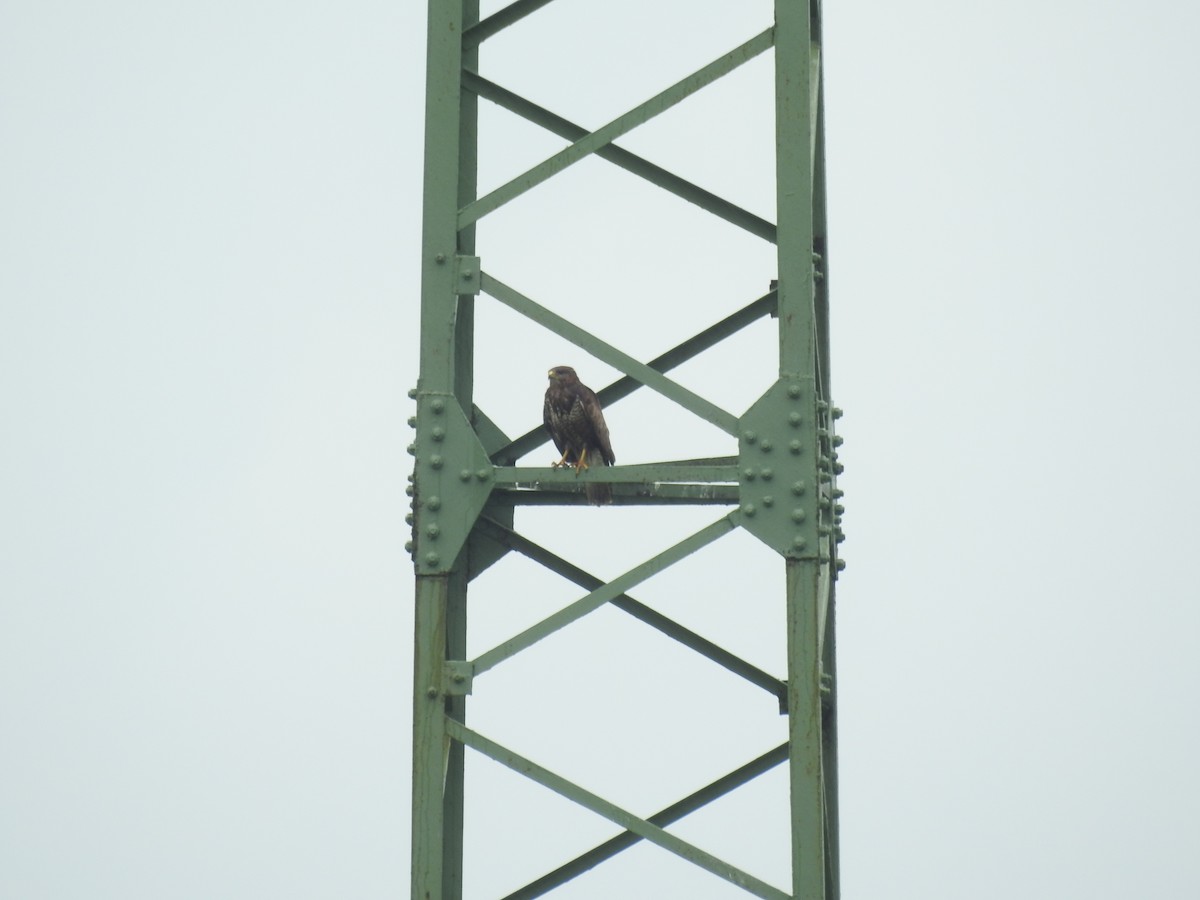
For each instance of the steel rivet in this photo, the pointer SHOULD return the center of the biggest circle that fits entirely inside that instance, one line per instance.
(837, 413)
(433, 531)
(765, 446)
(438, 405)
(441, 257)
(408, 518)
(409, 490)
(838, 468)
(794, 419)
(767, 474)
(838, 508)
(768, 500)
(436, 461)
(412, 449)
(431, 693)
(841, 565)
(434, 503)
(798, 488)
(748, 509)
(749, 474)
(408, 546)
(439, 434)
(483, 474)
(467, 274)
(432, 559)
(412, 421)
(795, 447)
(464, 475)
(799, 542)
(412, 393)
(799, 515)
(838, 440)
(459, 678)
(749, 437)
(794, 391)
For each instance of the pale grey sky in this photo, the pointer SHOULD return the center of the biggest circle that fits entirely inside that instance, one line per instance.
(209, 239)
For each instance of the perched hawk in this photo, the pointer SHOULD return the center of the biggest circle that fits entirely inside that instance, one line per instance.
(573, 418)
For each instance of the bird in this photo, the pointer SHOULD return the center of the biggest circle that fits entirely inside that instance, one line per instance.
(571, 413)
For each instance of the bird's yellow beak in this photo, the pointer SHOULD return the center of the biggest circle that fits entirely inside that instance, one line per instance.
(550, 374)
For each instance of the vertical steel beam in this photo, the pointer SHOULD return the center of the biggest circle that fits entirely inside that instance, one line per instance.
(793, 174)
(795, 93)
(446, 368)
(464, 386)
(429, 737)
(805, 734)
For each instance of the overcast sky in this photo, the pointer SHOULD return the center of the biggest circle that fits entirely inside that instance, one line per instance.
(209, 258)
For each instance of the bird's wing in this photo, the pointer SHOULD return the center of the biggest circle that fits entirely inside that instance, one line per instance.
(548, 419)
(595, 417)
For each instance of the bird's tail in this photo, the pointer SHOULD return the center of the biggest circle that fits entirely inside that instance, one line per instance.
(599, 493)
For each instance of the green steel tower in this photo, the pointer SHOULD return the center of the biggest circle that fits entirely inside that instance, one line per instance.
(777, 480)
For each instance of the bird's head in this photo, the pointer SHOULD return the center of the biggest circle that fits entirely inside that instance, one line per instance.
(564, 374)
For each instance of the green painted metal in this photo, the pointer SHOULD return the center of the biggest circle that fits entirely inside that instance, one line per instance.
(630, 162)
(604, 594)
(604, 136)
(624, 602)
(780, 486)
(673, 813)
(608, 353)
(643, 828)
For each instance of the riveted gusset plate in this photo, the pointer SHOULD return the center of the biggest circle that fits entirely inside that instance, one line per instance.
(453, 478)
(778, 459)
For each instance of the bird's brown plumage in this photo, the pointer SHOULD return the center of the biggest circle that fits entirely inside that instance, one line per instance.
(571, 413)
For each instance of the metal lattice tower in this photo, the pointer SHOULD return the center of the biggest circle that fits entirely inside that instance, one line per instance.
(778, 480)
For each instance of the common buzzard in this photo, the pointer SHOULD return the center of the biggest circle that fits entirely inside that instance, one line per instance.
(573, 418)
